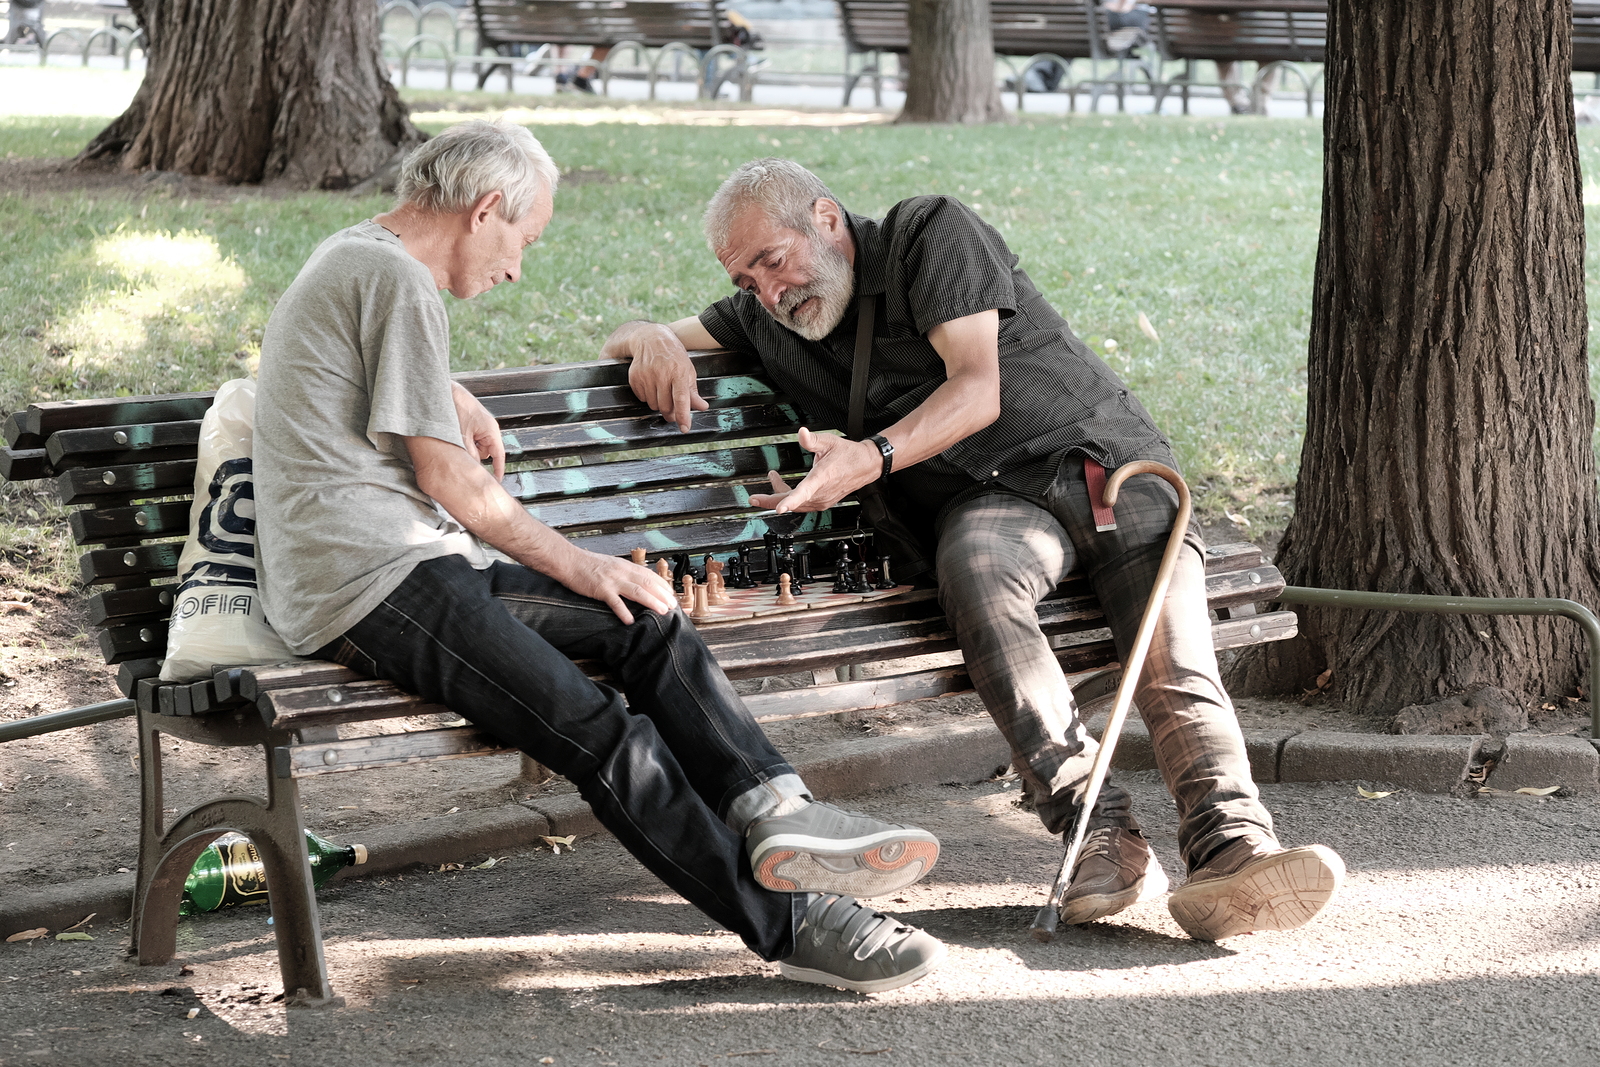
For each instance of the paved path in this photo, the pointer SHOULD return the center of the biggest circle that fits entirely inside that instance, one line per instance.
(1468, 929)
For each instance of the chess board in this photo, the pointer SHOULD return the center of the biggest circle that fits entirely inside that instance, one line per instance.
(763, 600)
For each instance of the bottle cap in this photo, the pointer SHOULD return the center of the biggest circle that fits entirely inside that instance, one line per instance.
(361, 854)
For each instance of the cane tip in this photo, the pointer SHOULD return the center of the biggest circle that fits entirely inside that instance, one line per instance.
(1044, 924)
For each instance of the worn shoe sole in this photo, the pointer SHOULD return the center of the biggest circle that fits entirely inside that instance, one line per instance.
(872, 985)
(1086, 909)
(1280, 891)
(860, 867)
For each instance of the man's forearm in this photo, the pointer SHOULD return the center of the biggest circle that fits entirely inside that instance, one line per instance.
(953, 412)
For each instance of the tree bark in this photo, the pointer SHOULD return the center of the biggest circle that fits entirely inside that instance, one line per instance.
(1449, 441)
(291, 91)
(950, 76)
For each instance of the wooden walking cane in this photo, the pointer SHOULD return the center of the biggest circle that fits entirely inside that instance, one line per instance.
(1044, 924)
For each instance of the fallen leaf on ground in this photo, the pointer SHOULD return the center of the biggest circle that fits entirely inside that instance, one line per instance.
(28, 935)
(1236, 519)
(1147, 329)
(555, 843)
(1533, 791)
(486, 864)
(452, 811)
(16, 607)
(1368, 794)
(83, 921)
(193, 1012)
(78, 936)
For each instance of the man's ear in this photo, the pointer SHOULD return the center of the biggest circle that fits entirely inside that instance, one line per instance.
(486, 206)
(827, 216)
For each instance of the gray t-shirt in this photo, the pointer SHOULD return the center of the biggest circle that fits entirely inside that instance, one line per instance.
(355, 355)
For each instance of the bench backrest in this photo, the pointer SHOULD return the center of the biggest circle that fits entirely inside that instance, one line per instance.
(586, 457)
(1021, 27)
(599, 22)
(1253, 32)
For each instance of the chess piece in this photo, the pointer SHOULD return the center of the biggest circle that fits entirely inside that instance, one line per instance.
(770, 540)
(718, 591)
(802, 566)
(861, 580)
(884, 580)
(664, 570)
(680, 567)
(638, 556)
(713, 566)
(686, 598)
(785, 593)
(739, 573)
(702, 603)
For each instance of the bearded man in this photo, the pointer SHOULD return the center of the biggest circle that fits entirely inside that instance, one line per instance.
(987, 414)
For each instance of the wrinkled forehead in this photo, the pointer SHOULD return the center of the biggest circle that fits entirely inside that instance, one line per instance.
(754, 236)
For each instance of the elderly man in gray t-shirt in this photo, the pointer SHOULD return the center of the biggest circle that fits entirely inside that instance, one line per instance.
(371, 500)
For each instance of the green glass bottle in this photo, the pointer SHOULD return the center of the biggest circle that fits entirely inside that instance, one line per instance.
(230, 871)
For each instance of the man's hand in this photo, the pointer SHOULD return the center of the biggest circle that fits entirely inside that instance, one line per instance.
(612, 581)
(461, 486)
(479, 430)
(842, 466)
(661, 374)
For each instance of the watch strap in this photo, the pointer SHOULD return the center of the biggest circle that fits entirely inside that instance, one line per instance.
(886, 450)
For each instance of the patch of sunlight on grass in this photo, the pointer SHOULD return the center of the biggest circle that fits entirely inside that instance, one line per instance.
(165, 275)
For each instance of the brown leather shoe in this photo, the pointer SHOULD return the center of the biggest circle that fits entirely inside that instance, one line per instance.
(1116, 869)
(1253, 888)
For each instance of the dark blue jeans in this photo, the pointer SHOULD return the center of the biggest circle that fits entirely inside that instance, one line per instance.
(659, 768)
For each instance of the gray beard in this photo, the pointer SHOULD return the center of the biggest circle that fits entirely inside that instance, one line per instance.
(832, 284)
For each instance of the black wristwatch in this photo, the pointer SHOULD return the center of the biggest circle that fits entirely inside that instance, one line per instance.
(886, 450)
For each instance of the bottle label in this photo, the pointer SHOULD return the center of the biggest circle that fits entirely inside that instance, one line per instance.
(244, 878)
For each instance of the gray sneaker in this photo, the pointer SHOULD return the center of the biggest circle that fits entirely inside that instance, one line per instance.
(846, 944)
(821, 849)
(1116, 869)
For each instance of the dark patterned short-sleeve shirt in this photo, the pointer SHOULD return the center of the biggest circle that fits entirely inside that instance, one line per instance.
(929, 261)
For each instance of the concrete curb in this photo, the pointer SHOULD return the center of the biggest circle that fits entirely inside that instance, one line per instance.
(964, 751)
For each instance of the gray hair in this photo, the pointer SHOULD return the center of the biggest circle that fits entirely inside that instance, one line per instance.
(452, 171)
(783, 190)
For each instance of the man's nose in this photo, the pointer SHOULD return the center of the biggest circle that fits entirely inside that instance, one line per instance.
(771, 293)
(514, 272)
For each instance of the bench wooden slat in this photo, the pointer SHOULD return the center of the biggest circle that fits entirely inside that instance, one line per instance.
(24, 464)
(142, 561)
(718, 535)
(123, 444)
(643, 431)
(131, 671)
(386, 750)
(52, 416)
(16, 436)
(629, 511)
(594, 374)
(289, 709)
(101, 524)
(88, 484)
(124, 606)
(690, 468)
(520, 409)
(139, 641)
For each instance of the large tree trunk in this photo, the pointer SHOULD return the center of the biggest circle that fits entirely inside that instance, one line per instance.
(291, 91)
(1449, 441)
(950, 76)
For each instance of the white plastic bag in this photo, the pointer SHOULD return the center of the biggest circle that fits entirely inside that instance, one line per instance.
(217, 618)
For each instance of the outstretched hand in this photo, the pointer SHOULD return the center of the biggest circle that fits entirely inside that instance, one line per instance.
(841, 467)
(662, 375)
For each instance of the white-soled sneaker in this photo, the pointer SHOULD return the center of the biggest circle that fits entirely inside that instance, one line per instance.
(822, 849)
(846, 944)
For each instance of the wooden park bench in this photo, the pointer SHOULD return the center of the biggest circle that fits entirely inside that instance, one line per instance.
(1038, 31)
(1275, 34)
(697, 29)
(588, 459)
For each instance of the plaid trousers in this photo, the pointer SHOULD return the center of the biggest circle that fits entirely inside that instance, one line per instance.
(999, 554)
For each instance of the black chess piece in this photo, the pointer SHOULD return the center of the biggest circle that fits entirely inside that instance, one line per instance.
(770, 540)
(738, 574)
(802, 565)
(860, 577)
(680, 567)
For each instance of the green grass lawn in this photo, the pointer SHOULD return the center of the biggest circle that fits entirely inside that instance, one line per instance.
(1208, 228)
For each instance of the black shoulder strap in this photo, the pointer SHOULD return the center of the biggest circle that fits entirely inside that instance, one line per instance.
(866, 308)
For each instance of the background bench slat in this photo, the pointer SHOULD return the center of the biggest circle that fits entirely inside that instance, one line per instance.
(520, 409)
(388, 750)
(143, 561)
(101, 524)
(615, 435)
(719, 535)
(55, 415)
(135, 443)
(691, 468)
(123, 606)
